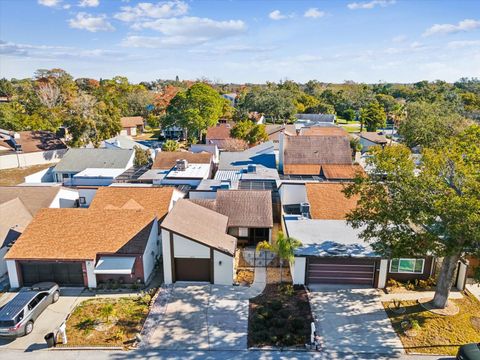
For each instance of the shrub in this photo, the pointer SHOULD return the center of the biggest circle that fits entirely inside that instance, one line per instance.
(392, 283)
(415, 325)
(287, 289)
(258, 325)
(297, 323)
(259, 317)
(284, 313)
(276, 305)
(273, 339)
(261, 336)
(267, 314)
(279, 322)
(289, 340)
(410, 286)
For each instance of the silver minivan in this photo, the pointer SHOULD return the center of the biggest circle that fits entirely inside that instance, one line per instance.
(19, 314)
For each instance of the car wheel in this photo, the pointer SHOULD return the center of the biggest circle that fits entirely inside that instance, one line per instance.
(56, 296)
(29, 327)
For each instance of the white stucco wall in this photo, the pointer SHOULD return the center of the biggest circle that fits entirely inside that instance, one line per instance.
(88, 194)
(65, 198)
(382, 275)
(12, 274)
(151, 253)
(91, 277)
(299, 268)
(3, 263)
(175, 197)
(184, 248)
(180, 181)
(222, 274)
(42, 176)
(167, 263)
(293, 193)
(11, 161)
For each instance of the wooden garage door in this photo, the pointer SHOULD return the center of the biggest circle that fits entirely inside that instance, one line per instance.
(63, 273)
(187, 269)
(340, 271)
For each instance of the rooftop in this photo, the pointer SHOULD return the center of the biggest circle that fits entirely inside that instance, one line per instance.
(153, 199)
(327, 238)
(193, 171)
(76, 160)
(34, 198)
(328, 202)
(14, 217)
(320, 118)
(323, 131)
(131, 121)
(100, 172)
(201, 224)
(80, 234)
(168, 159)
(262, 154)
(244, 208)
(124, 142)
(219, 132)
(33, 141)
(374, 137)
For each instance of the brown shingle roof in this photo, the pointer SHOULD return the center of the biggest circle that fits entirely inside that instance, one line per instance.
(273, 131)
(203, 225)
(156, 200)
(219, 132)
(341, 172)
(33, 197)
(302, 169)
(131, 121)
(374, 137)
(244, 208)
(33, 141)
(166, 160)
(323, 131)
(80, 234)
(14, 217)
(317, 150)
(328, 202)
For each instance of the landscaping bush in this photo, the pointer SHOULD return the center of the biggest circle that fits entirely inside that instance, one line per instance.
(279, 322)
(297, 324)
(276, 305)
(284, 313)
(287, 289)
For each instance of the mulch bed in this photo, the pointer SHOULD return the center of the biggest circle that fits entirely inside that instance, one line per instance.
(279, 317)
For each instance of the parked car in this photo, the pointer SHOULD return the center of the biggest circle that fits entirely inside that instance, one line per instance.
(19, 314)
(469, 352)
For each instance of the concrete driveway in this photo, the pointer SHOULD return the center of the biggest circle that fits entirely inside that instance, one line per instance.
(48, 321)
(200, 317)
(353, 319)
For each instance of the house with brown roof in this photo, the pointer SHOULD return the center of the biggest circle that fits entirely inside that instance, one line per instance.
(132, 125)
(196, 245)
(249, 212)
(117, 239)
(369, 139)
(332, 251)
(27, 148)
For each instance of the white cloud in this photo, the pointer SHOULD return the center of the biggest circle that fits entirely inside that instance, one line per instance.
(152, 11)
(89, 3)
(67, 6)
(314, 13)
(49, 3)
(370, 4)
(463, 44)
(92, 23)
(276, 15)
(462, 26)
(201, 28)
(399, 39)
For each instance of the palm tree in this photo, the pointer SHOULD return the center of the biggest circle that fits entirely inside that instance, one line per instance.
(107, 311)
(284, 247)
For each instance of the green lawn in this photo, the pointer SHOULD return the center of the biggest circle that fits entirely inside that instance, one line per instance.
(438, 334)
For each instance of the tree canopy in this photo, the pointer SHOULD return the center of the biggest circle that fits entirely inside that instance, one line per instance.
(428, 209)
(249, 131)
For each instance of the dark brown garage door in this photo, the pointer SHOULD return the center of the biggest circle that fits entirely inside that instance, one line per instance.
(192, 269)
(340, 271)
(64, 273)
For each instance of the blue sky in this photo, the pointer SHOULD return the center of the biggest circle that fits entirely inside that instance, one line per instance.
(243, 41)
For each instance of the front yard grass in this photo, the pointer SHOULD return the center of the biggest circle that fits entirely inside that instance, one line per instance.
(280, 317)
(107, 321)
(11, 177)
(438, 334)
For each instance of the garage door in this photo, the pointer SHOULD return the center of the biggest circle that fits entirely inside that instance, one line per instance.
(192, 269)
(64, 274)
(340, 271)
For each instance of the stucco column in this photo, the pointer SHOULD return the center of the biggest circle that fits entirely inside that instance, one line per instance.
(462, 275)
(91, 277)
(12, 274)
(382, 275)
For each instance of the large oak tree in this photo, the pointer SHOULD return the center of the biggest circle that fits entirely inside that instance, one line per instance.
(431, 208)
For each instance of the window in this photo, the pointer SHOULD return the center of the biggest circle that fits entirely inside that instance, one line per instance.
(82, 200)
(243, 232)
(32, 304)
(19, 317)
(414, 266)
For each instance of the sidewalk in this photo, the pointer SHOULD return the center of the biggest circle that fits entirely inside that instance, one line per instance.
(474, 289)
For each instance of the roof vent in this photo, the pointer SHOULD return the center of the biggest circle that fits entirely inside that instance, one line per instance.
(305, 209)
(182, 165)
(252, 168)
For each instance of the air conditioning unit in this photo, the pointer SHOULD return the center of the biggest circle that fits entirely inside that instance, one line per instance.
(252, 168)
(181, 165)
(305, 209)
